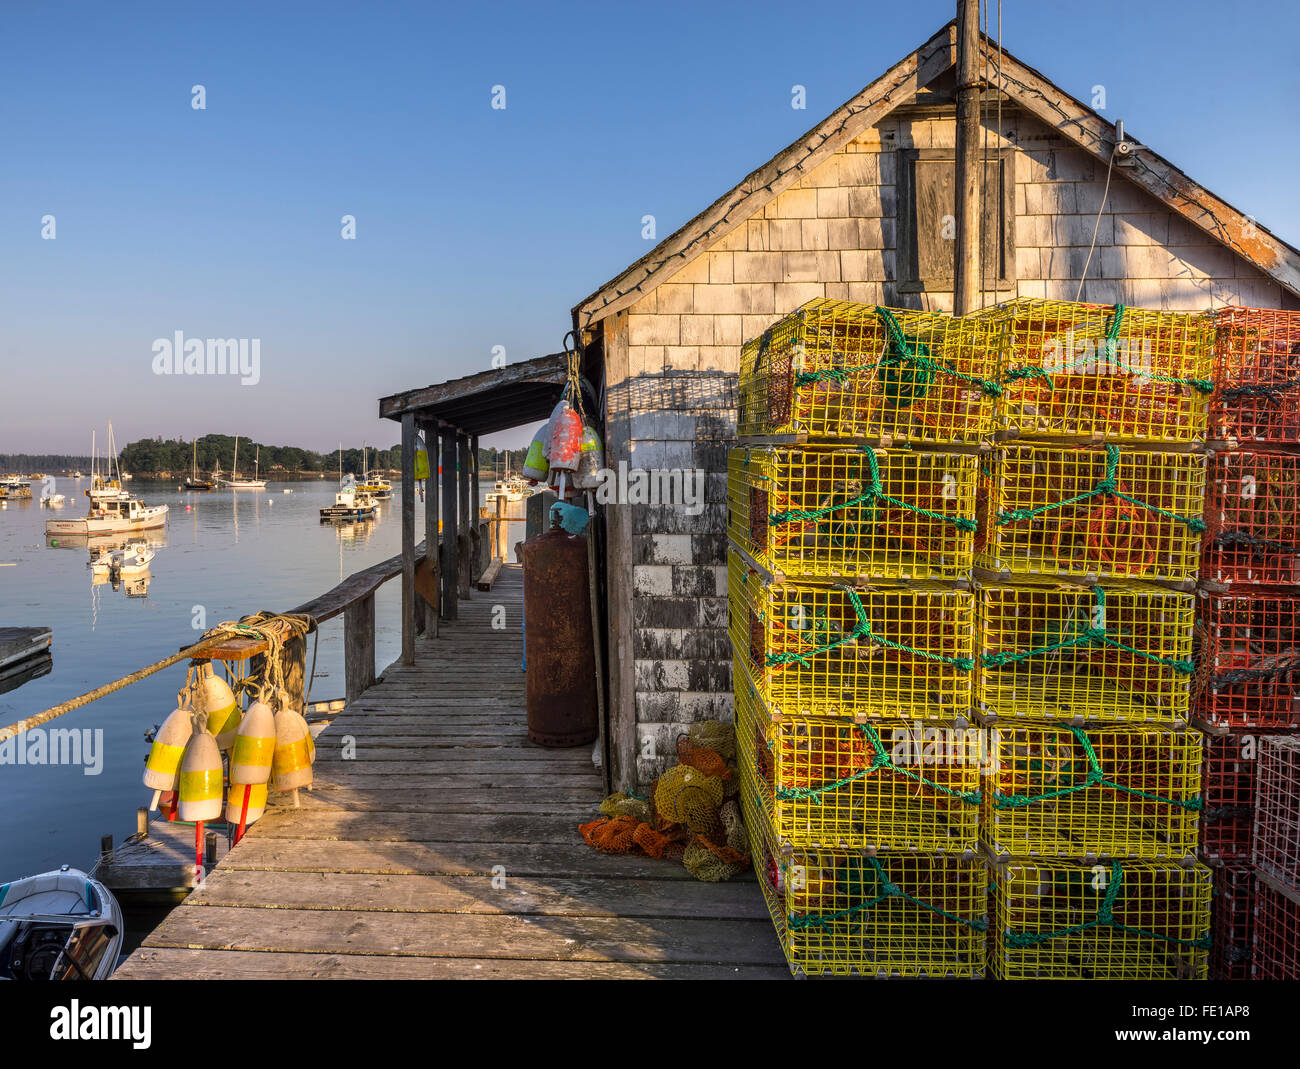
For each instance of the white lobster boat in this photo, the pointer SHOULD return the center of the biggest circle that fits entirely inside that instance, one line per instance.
(111, 516)
(60, 925)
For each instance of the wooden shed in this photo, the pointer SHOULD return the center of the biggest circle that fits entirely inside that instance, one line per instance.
(856, 209)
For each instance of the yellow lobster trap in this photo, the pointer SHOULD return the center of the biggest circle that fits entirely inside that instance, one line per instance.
(845, 913)
(1113, 921)
(1121, 653)
(1096, 513)
(852, 513)
(1103, 371)
(837, 784)
(839, 369)
(1107, 792)
(824, 649)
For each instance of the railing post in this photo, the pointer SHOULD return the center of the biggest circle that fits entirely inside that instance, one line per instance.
(408, 538)
(430, 431)
(359, 646)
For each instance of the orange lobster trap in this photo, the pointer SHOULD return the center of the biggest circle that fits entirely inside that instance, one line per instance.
(1096, 513)
(850, 913)
(853, 513)
(824, 649)
(1257, 376)
(1132, 920)
(1248, 657)
(1275, 938)
(1228, 790)
(842, 785)
(839, 369)
(1103, 372)
(1107, 792)
(1050, 653)
(1252, 517)
(1232, 921)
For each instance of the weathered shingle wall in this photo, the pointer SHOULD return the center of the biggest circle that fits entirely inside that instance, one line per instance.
(672, 386)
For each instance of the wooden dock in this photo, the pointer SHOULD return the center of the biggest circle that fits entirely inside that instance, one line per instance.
(448, 847)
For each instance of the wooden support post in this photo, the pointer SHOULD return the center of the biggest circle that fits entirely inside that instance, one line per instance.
(499, 531)
(430, 431)
(465, 575)
(359, 646)
(450, 559)
(474, 521)
(966, 176)
(408, 538)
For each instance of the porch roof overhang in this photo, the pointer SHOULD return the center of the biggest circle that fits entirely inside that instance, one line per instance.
(490, 401)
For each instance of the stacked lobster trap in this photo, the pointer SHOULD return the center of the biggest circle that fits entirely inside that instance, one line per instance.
(1086, 555)
(852, 520)
(1247, 697)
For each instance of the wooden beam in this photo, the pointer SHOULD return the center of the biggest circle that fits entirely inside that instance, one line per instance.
(430, 431)
(896, 86)
(467, 521)
(359, 646)
(543, 369)
(449, 558)
(966, 164)
(408, 538)
(490, 573)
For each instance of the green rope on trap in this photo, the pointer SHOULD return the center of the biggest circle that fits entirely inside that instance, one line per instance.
(906, 369)
(863, 631)
(1110, 345)
(1085, 637)
(880, 760)
(1105, 919)
(1108, 487)
(874, 493)
(1095, 778)
(888, 890)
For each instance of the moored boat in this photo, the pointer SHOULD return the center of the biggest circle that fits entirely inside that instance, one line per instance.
(110, 516)
(60, 925)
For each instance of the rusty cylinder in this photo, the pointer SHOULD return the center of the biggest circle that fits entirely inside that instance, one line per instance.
(560, 660)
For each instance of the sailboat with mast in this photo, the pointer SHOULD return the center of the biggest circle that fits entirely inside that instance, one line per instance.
(112, 509)
(351, 502)
(237, 481)
(194, 482)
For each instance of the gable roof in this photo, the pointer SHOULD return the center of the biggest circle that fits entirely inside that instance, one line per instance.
(1022, 85)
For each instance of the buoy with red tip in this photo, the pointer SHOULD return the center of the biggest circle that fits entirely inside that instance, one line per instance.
(217, 700)
(294, 751)
(250, 766)
(565, 444)
(163, 766)
(201, 785)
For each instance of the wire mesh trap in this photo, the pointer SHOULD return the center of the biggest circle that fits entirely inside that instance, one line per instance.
(1092, 513)
(1108, 792)
(1275, 935)
(839, 369)
(1276, 849)
(837, 784)
(890, 914)
(850, 513)
(1108, 921)
(1232, 922)
(1252, 515)
(822, 649)
(1228, 789)
(1257, 376)
(1103, 371)
(1249, 665)
(1122, 653)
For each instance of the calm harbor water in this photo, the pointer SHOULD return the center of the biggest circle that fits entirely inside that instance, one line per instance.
(229, 554)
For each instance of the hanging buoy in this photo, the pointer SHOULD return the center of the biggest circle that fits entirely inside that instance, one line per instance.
(200, 787)
(163, 765)
(536, 467)
(217, 700)
(591, 459)
(245, 805)
(254, 747)
(294, 751)
(565, 438)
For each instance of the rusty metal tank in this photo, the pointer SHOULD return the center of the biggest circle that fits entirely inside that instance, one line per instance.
(560, 660)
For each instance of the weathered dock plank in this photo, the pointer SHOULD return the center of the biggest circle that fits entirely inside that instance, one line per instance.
(438, 842)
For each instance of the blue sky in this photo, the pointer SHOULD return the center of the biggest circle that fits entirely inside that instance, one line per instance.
(475, 227)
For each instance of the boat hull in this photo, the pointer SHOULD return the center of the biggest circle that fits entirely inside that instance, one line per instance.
(95, 525)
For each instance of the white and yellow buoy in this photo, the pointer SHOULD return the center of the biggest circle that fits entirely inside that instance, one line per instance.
(251, 762)
(201, 778)
(217, 700)
(163, 766)
(294, 751)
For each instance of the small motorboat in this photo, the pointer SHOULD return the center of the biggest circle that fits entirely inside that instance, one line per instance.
(60, 925)
(134, 558)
